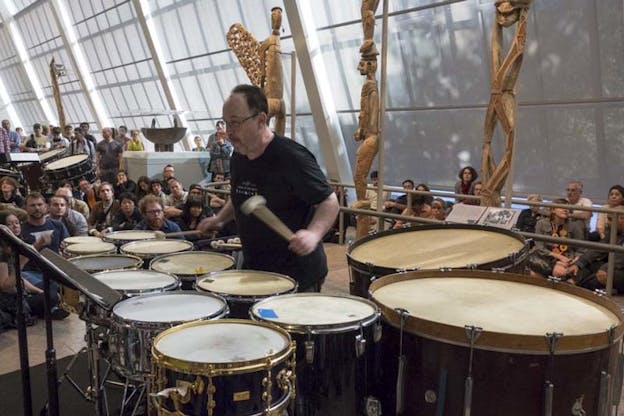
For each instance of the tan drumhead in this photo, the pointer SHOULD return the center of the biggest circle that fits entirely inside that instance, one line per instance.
(314, 309)
(50, 154)
(136, 280)
(246, 283)
(156, 247)
(66, 161)
(78, 239)
(496, 306)
(192, 263)
(130, 235)
(91, 248)
(435, 249)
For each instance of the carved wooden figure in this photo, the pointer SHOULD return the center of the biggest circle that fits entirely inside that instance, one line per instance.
(263, 65)
(502, 105)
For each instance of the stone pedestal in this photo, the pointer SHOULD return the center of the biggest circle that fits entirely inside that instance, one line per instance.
(190, 167)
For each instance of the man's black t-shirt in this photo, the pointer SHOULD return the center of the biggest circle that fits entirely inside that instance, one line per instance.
(289, 177)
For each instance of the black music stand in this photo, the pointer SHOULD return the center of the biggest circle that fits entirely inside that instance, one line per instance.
(60, 270)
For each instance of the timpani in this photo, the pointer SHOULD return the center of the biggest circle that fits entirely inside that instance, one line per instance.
(150, 249)
(490, 344)
(85, 249)
(433, 247)
(119, 238)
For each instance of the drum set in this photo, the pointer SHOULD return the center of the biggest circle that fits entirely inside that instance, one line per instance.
(451, 340)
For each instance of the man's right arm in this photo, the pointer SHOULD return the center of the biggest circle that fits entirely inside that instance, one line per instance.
(216, 223)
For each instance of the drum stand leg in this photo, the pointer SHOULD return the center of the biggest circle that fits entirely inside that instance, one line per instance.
(138, 391)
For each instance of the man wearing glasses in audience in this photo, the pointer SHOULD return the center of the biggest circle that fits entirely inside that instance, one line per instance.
(288, 176)
(574, 190)
(152, 210)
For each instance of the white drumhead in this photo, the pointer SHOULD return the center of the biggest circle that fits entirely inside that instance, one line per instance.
(222, 342)
(156, 246)
(195, 262)
(66, 161)
(169, 307)
(435, 249)
(497, 306)
(91, 248)
(135, 279)
(130, 235)
(246, 283)
(307, 309)
(78, 239)
(50, 154)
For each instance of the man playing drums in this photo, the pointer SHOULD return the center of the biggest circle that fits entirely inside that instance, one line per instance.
(288, 176)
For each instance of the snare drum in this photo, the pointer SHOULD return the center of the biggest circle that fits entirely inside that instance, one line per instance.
(119, 238)
(336, 340)
(68, 167)
(70, 299)
(435, 246)
(232, 367)
(491, 344)
(188, 265)
(150, 249)
(137, 321)
(242, 288)
(84, 249)
(129, 283)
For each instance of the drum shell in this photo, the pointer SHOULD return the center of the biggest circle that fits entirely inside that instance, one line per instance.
(240, 304)
(335, 380)
(228, 384)
(504, 383)
(80, 167)
(363, 273)
(130, 342)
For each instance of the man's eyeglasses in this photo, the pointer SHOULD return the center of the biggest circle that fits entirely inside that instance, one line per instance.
(154, 211)
(234, 124)
(571, 190)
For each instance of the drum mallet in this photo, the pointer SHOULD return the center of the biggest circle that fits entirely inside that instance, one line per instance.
(160, 235)
(256, 205)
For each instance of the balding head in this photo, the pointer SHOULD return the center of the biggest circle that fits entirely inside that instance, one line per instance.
(66, 192)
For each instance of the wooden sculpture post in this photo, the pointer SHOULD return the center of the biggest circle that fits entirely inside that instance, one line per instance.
(502, 105)
(56, 91)
(263, 65)
(367, 132)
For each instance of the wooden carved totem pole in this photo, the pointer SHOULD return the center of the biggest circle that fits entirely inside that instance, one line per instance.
(263, 65)
(502, 105)
(368, 127)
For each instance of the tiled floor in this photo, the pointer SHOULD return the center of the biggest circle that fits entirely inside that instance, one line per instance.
(69, 333)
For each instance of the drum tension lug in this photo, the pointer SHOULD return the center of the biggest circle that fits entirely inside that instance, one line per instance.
(611, 334)
(360, 343)
(600, 292)
(377, 329)
(372, 406)
(498, 270)
(472, 333)
(474, 266)
(309, 348)
(554, 279)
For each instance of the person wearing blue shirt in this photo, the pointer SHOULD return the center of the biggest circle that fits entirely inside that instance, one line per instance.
(152, 210)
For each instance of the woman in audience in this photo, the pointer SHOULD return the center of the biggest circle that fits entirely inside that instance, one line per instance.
(616, 198)
(467, 175)
(9, 192)
(528, 217)
(193, 211)
(553, 259)
(143, 187)
(135, 144)
(438, 209)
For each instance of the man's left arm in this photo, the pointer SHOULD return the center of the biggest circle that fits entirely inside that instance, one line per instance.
(305, 240)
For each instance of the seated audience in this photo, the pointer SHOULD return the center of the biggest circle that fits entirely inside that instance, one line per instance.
(10, 192)
(616, 198)
(143, 187)
(153, 213)
(574, 190)
(156, 189)
(74, 221)
(104, 211)
(399, 204)
(89, 194)
(76, 204)
(438, 209)
(193, 211)
(528, 217)
(124, 184)
(467, 175)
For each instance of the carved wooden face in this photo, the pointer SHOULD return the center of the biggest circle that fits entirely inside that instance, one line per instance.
(367, 66)
(276, 18)
(508, 11)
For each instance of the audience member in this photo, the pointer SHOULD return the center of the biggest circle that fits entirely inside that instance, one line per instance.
(467, 175)
(616, 198)
(76, 204)
(122, 137)
(74, 221)
(58, 141)
(143, 187)
(135, 144)
(168, 173)
(438, 209)
(528, 217)
(123, 184)
(156, 190)
(104, 210)
(574, 190)
(152, 210)
(193, 211)
(80, 144)
(15, 139)
(399, 204)
(89, 194)
(38, 142)
(84, 127)
(128, 216)
(108, 156)
(9, 192)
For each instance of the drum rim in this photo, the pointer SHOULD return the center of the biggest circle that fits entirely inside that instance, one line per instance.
(242, 298)
(138, 261)
(497, 341)
(179, 253)
(127, 232)
(122, 322)
(320, 329)
(59, 151)
(135, 292)
(88, 237)
(221, 369)
(123, 249)
(503, 262)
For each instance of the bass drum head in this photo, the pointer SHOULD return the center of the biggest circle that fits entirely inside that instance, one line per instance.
(515, 312)
(171, 307)
(246, 283)
(65, 162)
(303, 312)
(153, 248)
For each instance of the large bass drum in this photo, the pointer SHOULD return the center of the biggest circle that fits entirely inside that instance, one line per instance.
(225, 367)
(69, 167)
(489, 344)
(433, 247)
(336, 341)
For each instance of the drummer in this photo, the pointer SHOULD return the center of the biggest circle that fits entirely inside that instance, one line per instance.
(153, 212)
(288, 176)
